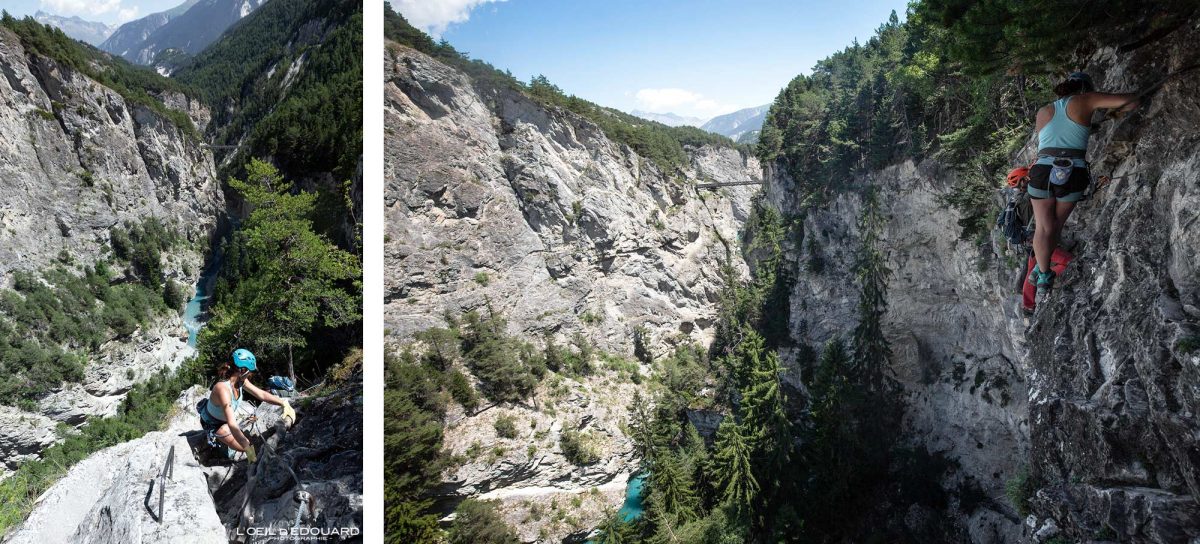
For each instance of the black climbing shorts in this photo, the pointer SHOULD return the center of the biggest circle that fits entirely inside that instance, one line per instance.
(1071, 191)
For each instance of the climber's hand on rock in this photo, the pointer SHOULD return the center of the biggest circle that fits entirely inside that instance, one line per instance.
(251, 455)
(289, 415)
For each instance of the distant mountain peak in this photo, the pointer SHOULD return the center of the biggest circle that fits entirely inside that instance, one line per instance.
(669, 119)
(740, 122)
(75, 27)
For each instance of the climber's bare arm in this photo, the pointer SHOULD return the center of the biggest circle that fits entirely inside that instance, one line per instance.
(262, 395)
(1097, 101)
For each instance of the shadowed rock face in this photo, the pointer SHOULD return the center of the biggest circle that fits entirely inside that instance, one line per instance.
(323, 450)
(1095, 396)
(1113, 386)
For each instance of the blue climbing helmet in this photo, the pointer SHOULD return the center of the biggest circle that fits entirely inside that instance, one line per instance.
(1086, 79)
(242, 358)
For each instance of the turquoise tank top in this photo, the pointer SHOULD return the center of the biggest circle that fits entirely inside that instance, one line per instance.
(219, 413)
(1061, 131)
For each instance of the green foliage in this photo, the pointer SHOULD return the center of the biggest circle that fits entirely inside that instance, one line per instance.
(50, 322)
(462, 392)
(871, 350)
(481, 278)
(615, 530)
(504, 365)
(506, 426)
(732, 463)
(478, 522)
(142, 245)
(579, 447)
(661, 144)
(174, 295)
(314, 124)
(1019, 489)
(144, 409)
(137, 85)
(413, 410)
(764, 303)
(671, 498)
(281, 284)
(1188, 344)
(991, 37)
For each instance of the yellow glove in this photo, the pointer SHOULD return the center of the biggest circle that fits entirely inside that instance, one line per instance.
(251, 455)
(289, 415)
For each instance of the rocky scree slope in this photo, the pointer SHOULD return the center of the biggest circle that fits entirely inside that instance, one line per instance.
(78, 159)
(493, 198)
(101, 499)
(1094, 398)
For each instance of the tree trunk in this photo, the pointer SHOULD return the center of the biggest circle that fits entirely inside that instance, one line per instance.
(291, 369)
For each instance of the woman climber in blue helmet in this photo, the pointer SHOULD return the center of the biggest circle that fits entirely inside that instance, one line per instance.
(219, 416)
(1060, 175)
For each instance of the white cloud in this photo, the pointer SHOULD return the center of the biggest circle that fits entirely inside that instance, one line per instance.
(681, 101)
(127, 14)
(83, 8)
(434, 16)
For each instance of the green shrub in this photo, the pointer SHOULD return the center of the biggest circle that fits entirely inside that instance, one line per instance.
(174, 295)
(1020, 489)
(461, 391)
(479, 522)
(1188, 344)
(481, 278)
(579, 447)
(506, 426)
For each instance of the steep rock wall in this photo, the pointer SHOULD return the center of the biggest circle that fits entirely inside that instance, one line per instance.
(493, 198)
(1095, 396)
(76, 159)
(950, 321)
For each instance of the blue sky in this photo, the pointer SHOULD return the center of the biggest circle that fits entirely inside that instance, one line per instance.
(112, 12)
(697, 58)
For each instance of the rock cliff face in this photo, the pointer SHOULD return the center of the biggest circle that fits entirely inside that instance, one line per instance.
(496, 197)
(1095, 396)
(77, 159)
(103, 498)
(492, 198)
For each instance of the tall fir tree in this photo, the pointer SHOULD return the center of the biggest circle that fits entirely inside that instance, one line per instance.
(732, 463)
(872, 352)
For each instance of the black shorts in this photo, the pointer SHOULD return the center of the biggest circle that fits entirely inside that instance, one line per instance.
(1071, 191)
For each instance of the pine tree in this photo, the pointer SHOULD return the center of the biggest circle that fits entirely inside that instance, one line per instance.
(769, 429)
(871, 350)
(671, 488)
(732, 466)
(282, 281)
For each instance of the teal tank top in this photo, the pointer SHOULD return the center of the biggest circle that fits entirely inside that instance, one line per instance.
(1061, 131)
(219, 413)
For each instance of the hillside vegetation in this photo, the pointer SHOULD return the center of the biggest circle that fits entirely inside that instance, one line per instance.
(310, 124)
(958, 80)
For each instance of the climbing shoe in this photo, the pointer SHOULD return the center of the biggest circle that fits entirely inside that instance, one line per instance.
(1044, 281)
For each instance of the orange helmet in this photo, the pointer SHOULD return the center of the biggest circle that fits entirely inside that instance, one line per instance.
(1016, 175)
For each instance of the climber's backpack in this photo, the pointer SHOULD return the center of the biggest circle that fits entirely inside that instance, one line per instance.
(282, 385)
(1014, 219)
